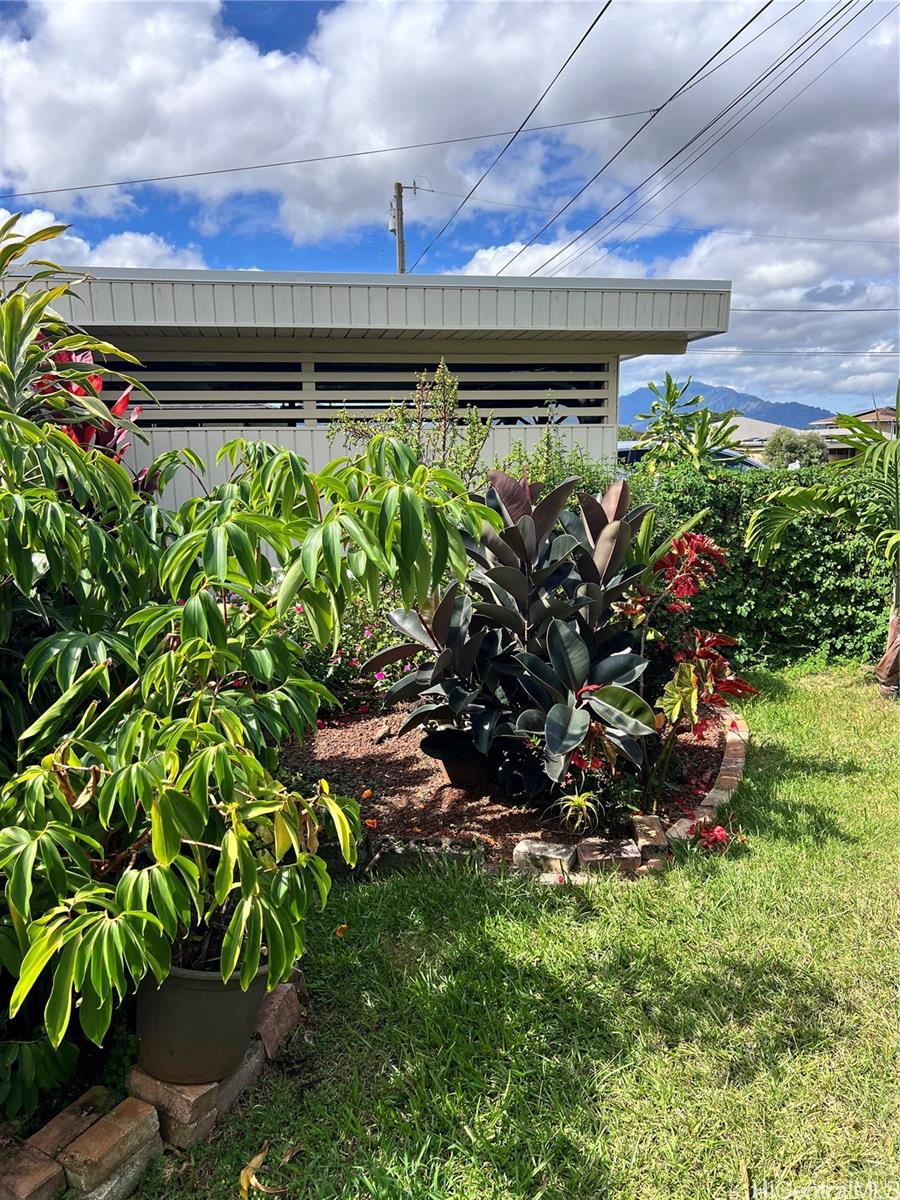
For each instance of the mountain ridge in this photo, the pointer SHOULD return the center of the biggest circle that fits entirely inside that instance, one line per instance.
(791, 413)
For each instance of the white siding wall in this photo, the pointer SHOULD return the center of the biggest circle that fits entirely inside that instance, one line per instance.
(312, 444)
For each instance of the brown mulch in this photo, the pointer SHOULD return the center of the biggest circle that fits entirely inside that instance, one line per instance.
(410, 797)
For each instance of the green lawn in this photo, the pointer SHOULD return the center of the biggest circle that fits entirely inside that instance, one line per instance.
(483, 1039)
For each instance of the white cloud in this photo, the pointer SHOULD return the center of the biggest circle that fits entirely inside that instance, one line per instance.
(127, 249)
(180, 91)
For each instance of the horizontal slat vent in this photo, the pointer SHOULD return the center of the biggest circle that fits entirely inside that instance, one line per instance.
(307, 392)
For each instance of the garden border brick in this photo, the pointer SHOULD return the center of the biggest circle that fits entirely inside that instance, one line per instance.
(647, 851)
(101, 1151)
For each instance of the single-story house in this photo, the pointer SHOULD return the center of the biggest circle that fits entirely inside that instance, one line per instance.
(884, 419)
(278, 355)
(752, 434)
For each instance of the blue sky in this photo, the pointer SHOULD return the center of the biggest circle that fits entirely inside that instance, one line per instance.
(172, 88)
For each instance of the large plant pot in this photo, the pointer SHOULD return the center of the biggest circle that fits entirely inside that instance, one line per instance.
(462, 764)
(194, 1028)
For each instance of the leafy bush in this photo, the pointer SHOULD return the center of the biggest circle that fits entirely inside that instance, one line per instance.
(429, 423)
(532, 667)
(822, 591)
(786, 446)
(146, 682)
(538, 656)
(870, 510)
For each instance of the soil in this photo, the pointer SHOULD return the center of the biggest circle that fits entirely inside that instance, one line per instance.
(410, 797)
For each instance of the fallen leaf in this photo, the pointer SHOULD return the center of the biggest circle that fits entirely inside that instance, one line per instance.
(367, 794)
(248, 1176)
(371, 823)
(291, 1152)
(340, 931)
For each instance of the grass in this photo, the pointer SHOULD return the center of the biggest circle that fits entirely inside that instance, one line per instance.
(484, 1039)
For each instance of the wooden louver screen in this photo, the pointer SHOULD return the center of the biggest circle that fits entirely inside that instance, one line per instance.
(305, 391)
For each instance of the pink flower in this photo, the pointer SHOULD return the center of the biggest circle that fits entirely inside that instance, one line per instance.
(298, 608)
(367, 633)
(354, 662)
(407, 666)
(364, 708)
(380, 675)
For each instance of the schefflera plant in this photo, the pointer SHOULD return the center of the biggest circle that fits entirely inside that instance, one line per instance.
(535, 656)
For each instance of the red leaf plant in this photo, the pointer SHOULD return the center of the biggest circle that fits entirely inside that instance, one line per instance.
(107, 436)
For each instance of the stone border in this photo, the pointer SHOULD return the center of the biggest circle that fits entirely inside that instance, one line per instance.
(100, 1151)
(649, 849)
(654, 840)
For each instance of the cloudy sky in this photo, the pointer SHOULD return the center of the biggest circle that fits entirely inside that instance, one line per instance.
(792, 194)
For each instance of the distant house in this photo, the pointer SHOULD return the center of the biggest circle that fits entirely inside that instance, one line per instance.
(752, 435)
(884, 419)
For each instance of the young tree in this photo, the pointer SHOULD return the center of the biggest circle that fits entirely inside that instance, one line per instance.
(430, 423)
(681, 429)
(787, 446)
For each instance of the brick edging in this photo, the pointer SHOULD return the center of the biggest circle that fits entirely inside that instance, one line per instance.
(100, 1151)
(653, 839)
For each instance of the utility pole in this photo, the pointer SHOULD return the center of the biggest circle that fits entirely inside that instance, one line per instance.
(396, 227)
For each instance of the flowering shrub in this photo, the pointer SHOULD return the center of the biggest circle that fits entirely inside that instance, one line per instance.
(364, 632)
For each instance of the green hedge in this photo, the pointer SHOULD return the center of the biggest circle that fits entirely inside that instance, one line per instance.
(823, 592)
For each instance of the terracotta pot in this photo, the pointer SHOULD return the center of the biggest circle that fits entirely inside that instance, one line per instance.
(462, 764)
(194, 1028)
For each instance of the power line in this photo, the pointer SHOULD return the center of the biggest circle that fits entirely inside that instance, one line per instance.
(440, 233)
(634, 135)
(771, 70)
(622, 221)
(299, 162)
(781, 237)
(741, 49)
(817, 310)
(779, 70)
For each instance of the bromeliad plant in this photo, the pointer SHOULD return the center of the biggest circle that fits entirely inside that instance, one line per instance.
(146, 682)
(535, 656)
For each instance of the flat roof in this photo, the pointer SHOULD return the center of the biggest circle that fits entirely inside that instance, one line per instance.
(202, 275)
(275, 303)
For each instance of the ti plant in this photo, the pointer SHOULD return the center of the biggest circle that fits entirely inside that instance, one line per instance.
(873, 510)
(146, 683)
(535, 657)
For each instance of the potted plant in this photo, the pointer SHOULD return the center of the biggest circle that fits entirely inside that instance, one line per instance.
(146, 683)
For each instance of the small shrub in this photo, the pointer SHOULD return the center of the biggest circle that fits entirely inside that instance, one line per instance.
(787, 446)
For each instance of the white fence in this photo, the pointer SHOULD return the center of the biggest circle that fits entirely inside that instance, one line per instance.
(312, 445)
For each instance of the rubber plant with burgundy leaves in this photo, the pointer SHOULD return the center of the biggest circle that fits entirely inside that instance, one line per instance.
(146, 682)
(533, 658)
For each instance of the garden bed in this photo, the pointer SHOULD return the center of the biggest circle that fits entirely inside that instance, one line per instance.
(410, 799)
